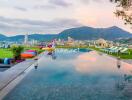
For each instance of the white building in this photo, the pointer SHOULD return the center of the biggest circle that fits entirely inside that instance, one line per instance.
(70, 39)
(26, 39)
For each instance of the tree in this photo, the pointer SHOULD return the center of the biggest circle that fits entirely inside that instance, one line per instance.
(124, 10)
(17, 50)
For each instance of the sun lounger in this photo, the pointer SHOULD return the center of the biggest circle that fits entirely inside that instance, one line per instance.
(125, 50)
(112, 50)
(116, 50)
(107, 49)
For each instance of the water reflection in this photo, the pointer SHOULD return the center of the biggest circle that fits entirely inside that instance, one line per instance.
(95, 63)
(36, 64)
(128, 78)
(52, 54)
(118, 62)
(76, 76)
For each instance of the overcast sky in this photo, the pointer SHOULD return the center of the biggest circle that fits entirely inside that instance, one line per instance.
(53, 16)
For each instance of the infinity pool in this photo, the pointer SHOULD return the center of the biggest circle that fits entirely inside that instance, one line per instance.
(68, 75)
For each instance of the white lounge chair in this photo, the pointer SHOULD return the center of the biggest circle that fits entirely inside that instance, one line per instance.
(125, 50)
(116, 50)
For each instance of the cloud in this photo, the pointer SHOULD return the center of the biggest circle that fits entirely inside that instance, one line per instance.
(62, 3)
(24, 25)
(88, 1)
(52, 4)
(85, 1)
(44, 7)
(20, 8)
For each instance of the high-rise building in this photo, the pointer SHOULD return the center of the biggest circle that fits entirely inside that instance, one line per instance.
(26, 39)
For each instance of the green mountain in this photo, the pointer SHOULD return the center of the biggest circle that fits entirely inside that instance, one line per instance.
(40, 37)
(2, 37)
(79, 33)
(125, 40)
(85, 33)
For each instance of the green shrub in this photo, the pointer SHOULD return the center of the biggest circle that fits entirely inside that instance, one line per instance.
(17, 50)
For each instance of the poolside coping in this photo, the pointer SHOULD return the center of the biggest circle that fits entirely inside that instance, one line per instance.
(9, 75)
(12, 73)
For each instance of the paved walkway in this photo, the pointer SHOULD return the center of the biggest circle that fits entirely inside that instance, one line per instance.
(12, 73)
(9, 75)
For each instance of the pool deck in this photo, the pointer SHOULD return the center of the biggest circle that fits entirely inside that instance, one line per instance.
(12, 73)
(9, 75)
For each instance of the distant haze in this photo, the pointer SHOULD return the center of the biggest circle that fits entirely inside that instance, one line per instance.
(53, 16)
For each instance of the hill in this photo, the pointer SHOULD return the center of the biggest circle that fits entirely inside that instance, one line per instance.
(2, 37)
(79, 33)
(40, 37)
(85, 33)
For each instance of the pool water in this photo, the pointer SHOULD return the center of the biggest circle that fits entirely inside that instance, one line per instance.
(75, 75)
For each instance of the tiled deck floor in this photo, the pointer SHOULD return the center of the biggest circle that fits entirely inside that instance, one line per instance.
(9, 75)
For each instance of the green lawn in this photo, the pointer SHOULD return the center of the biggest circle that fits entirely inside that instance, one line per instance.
(123, 56)
(6, 53)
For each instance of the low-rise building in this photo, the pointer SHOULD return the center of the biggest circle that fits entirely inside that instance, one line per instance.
(101, 43)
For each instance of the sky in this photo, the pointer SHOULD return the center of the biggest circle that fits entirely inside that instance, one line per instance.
(53, 16)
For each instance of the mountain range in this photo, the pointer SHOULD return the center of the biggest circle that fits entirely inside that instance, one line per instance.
(79, 33)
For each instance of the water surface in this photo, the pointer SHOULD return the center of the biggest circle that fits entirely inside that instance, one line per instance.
(75, 76)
